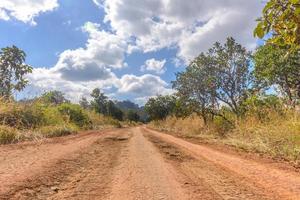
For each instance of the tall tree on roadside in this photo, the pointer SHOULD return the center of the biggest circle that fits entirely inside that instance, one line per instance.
(197, 85)
(160, 107)
(12, 71)
(99, 101)
(273, 67)
(232, 74)
(219, 77)
(281, 18)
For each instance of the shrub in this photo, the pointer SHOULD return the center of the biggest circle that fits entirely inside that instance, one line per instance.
(57, 131)
(75, 114)
(7, 135)
(222, 126)
(22, 116)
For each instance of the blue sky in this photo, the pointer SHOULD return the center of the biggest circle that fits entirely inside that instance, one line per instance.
(130, 49)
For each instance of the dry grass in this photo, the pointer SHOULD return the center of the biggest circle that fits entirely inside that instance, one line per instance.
(279, 137)
(36, 120)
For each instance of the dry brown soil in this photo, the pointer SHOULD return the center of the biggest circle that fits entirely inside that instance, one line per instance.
(137, 163)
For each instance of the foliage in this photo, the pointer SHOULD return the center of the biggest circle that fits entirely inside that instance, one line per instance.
(7, 135)
(282, 19)
(57, 131)
(22, 116)
(84, 103)
(99, 101)
(273, 67)
(74, 114)
(277, 137)
(261, 106)
(220, 77)
(113, 111)
(132, 115)
(160, 107)
(54, 97)
(12, 71)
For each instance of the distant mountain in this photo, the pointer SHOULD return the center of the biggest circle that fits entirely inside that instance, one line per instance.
(127, 105)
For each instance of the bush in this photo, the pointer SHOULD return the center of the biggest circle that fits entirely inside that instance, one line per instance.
(222, 126)
(75, 114)
(22, 116)
(7, 135)
(57, 131)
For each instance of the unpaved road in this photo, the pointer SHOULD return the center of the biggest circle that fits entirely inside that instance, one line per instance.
(137, 163)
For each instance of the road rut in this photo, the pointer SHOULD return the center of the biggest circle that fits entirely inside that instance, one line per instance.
(136, 163)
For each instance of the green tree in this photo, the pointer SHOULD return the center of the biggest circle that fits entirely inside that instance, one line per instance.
(273, 67)
(12, 71)
(84, 103)
(282, 19)
(132, 115)
(113, 111)
(219, 77)
(54, 97)
(99, 101)
(160, 107)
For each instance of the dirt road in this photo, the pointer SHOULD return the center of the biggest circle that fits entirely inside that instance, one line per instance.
(137, 163)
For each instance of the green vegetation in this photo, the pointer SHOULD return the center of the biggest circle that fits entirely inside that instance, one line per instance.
(51, 114)
(12, 71)
(282, 19)
(247, 100)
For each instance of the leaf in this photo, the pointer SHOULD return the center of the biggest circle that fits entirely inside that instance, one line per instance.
(259, 31)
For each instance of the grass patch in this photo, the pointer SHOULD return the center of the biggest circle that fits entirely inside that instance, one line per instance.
(57, 131)
(279, 137)
(8, 135)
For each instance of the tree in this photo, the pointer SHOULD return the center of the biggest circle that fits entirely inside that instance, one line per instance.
(84, 103)
(219, 77)
(282, 19)
(273, 67)
(160, 107)
(54, 97)
(12, 71)
(196, 86)
(113, 111)
(132, 115)
(232, 74)
(99, 102)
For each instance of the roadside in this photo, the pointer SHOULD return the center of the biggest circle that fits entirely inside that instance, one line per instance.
(233, 175)
(59, 167)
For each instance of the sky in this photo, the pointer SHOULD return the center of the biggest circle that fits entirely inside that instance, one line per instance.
(130, 49)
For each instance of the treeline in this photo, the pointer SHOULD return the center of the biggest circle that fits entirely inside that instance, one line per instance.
(228, 82)
(248, 100)
(52, 114)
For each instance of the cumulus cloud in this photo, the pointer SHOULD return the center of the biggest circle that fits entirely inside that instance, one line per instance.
(79, 71)
(191, 26)
(25, 10)
(145, 86)
(188, 27)
(104, 51)
(157, 66)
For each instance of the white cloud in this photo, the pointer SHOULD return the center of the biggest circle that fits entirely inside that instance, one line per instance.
(25, 10)
(4, 15)
(79, 71)
(143, 86)
(191, 26)
(157, 66)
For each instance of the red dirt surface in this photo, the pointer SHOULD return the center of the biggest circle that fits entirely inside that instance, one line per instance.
(136, 163)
